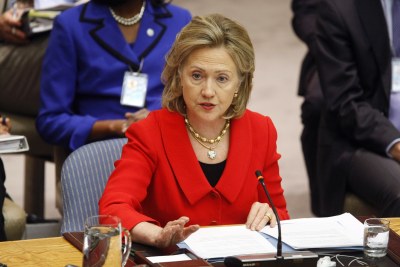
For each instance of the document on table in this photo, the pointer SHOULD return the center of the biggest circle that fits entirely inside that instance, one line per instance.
(224, 241)
(342, 231)
(169, 258)
(330, 232)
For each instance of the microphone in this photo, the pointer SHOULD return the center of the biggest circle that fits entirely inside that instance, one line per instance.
(278, 221)
(288, 259)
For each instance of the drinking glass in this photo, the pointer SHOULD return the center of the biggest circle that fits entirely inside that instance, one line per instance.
(376, 237)
(102, 244)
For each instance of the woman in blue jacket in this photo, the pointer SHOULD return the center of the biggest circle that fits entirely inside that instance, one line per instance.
(102, 68)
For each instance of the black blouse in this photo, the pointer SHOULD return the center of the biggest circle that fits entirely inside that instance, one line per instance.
(213, 172)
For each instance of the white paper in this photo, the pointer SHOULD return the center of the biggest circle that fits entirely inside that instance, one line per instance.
(43, 4)
(57, 4)
(224, 241)
(13, 143)
(170, 258)
(329, 232)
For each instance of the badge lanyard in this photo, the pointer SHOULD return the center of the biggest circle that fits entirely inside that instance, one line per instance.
(134, 87)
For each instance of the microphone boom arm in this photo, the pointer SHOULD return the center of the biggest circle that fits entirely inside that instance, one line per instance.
(278, 222)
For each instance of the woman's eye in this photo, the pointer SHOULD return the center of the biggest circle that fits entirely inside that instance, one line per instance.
(222, 78)
(196, 76)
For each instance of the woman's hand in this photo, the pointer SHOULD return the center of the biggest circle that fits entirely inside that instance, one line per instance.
(175, 232)
(395, 151)
(5, 125)
(172, 233)
(10, 24)
(260, 215)
(116, 128)
(107, 129)
(134, 117)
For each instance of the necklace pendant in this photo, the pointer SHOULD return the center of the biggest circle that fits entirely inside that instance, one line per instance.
(211, 154)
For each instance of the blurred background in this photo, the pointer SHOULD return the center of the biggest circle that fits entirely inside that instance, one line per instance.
(278, 57)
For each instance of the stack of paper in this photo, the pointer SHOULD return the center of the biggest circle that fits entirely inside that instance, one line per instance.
(224, 241)
(57, 4)
(343, 231)
(40, 19)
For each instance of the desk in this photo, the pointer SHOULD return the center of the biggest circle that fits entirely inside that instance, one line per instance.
(395, 224)
(46, 252)
(57, 252)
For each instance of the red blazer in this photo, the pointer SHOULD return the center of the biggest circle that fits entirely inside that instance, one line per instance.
(159, 179)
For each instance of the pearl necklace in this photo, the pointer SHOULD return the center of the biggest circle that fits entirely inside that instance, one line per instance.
(129, 21)
(211, 153)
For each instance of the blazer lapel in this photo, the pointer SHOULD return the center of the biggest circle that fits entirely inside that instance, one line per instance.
(182, 158)
(373, 20)
(185, 164)
(239, 157)
(106, 33)
(151, 31)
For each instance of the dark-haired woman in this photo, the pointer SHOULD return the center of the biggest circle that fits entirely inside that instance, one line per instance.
(102, 68)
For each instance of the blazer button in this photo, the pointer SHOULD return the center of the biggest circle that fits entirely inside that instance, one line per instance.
(214, 223)
(214, 195)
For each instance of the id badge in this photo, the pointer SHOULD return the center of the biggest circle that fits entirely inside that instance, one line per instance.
(396, 75)
(134, 89)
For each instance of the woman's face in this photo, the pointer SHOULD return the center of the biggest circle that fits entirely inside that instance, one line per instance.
(209, 80)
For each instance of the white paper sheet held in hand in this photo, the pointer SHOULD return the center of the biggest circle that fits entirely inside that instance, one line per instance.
(224, 241)
(330, 232)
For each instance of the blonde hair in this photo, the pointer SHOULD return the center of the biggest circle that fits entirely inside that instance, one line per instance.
(211, 31)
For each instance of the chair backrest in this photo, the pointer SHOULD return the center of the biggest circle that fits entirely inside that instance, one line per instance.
(83, 177)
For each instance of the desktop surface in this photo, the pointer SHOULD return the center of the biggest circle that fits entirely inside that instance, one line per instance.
(58, 251)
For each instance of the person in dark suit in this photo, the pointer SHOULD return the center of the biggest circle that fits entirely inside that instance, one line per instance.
(5, 126)
(359, 146)
(12, 216)
(304, 25)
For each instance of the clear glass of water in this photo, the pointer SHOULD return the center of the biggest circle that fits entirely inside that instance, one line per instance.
(103, 242)
(376, 237)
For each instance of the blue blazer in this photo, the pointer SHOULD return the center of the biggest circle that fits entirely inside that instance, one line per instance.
(85, 63)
